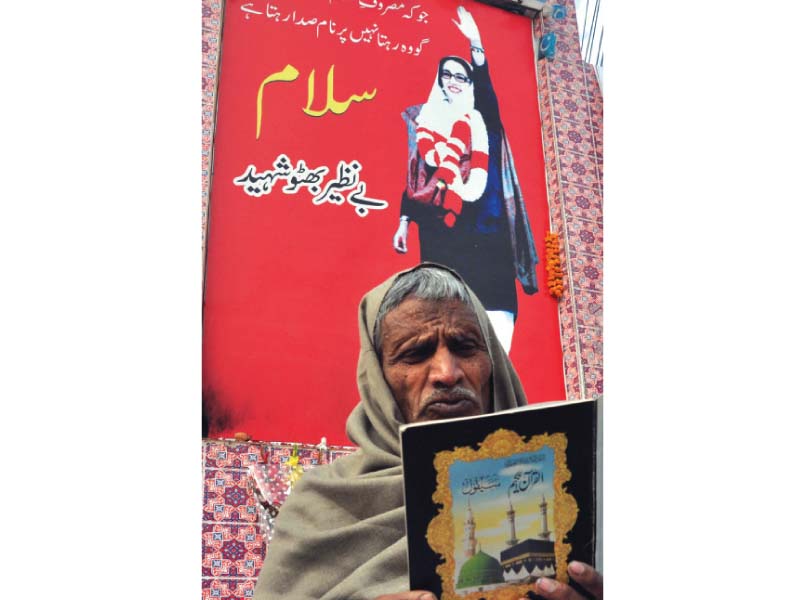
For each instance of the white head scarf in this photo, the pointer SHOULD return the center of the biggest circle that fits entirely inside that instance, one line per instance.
(440, 112)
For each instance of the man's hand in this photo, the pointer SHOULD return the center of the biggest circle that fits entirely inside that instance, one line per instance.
(401, 237)
(412, 595)
(582, 573)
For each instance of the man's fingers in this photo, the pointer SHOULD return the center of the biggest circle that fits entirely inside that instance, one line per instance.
(412, 595)
(587, 577)
(554, 590)
(584, 575)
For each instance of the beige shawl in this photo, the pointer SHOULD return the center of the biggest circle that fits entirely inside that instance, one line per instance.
(341, 533)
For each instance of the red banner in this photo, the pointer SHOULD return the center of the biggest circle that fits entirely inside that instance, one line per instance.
(312, 159)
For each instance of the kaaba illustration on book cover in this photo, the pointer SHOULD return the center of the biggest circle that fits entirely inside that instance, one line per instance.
(497, 501)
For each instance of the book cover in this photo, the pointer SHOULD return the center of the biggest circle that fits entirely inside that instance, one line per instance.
(494, 502)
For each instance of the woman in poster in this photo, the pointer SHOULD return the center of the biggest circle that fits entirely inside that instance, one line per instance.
(462, 188)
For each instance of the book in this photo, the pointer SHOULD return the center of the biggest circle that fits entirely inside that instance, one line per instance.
(496, 501)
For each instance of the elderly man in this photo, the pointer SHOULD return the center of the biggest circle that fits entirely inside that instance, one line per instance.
(427, 352)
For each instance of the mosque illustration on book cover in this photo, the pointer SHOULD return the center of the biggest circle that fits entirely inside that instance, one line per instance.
(505, 514)
(500, 508)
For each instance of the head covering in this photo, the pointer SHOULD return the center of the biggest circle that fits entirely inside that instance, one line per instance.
(341, 532)
(451, 135)
(439, 113)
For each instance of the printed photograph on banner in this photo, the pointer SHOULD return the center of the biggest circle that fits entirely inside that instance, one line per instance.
(354, 139)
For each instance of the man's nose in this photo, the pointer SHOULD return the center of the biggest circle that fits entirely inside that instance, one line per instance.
(445, 368)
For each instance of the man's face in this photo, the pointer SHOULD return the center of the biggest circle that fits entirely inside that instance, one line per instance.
(435, 360)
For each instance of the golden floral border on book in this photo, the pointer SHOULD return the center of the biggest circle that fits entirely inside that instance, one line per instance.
(499, 444)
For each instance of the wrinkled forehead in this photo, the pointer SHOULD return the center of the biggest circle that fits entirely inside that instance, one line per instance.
(414, 316)
(454, 67)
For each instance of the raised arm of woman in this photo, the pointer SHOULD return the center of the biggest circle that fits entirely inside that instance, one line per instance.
(467, 26)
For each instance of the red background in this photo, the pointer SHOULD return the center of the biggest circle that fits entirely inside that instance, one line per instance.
(283, 276)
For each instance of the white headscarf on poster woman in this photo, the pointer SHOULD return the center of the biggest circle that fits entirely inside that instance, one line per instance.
(448, 126)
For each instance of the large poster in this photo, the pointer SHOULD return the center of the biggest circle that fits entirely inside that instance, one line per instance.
(353, 139)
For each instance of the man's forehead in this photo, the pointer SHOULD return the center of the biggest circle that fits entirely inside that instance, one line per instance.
(414, 312)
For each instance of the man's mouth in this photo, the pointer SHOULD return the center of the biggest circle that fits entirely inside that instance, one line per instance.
(453, 403)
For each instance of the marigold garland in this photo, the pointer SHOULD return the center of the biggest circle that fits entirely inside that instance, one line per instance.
(555, 276)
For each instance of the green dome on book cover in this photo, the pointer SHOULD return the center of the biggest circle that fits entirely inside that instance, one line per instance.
(480, 569)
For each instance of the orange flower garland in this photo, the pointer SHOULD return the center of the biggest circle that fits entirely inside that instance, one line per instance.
(555, 276)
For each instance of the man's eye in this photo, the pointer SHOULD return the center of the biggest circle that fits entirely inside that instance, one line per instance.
(415, 354)
(465, 347)
(412, 356)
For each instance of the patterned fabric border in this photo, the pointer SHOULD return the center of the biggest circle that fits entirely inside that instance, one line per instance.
(211, 37)
(571, 107)
(236, 527)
